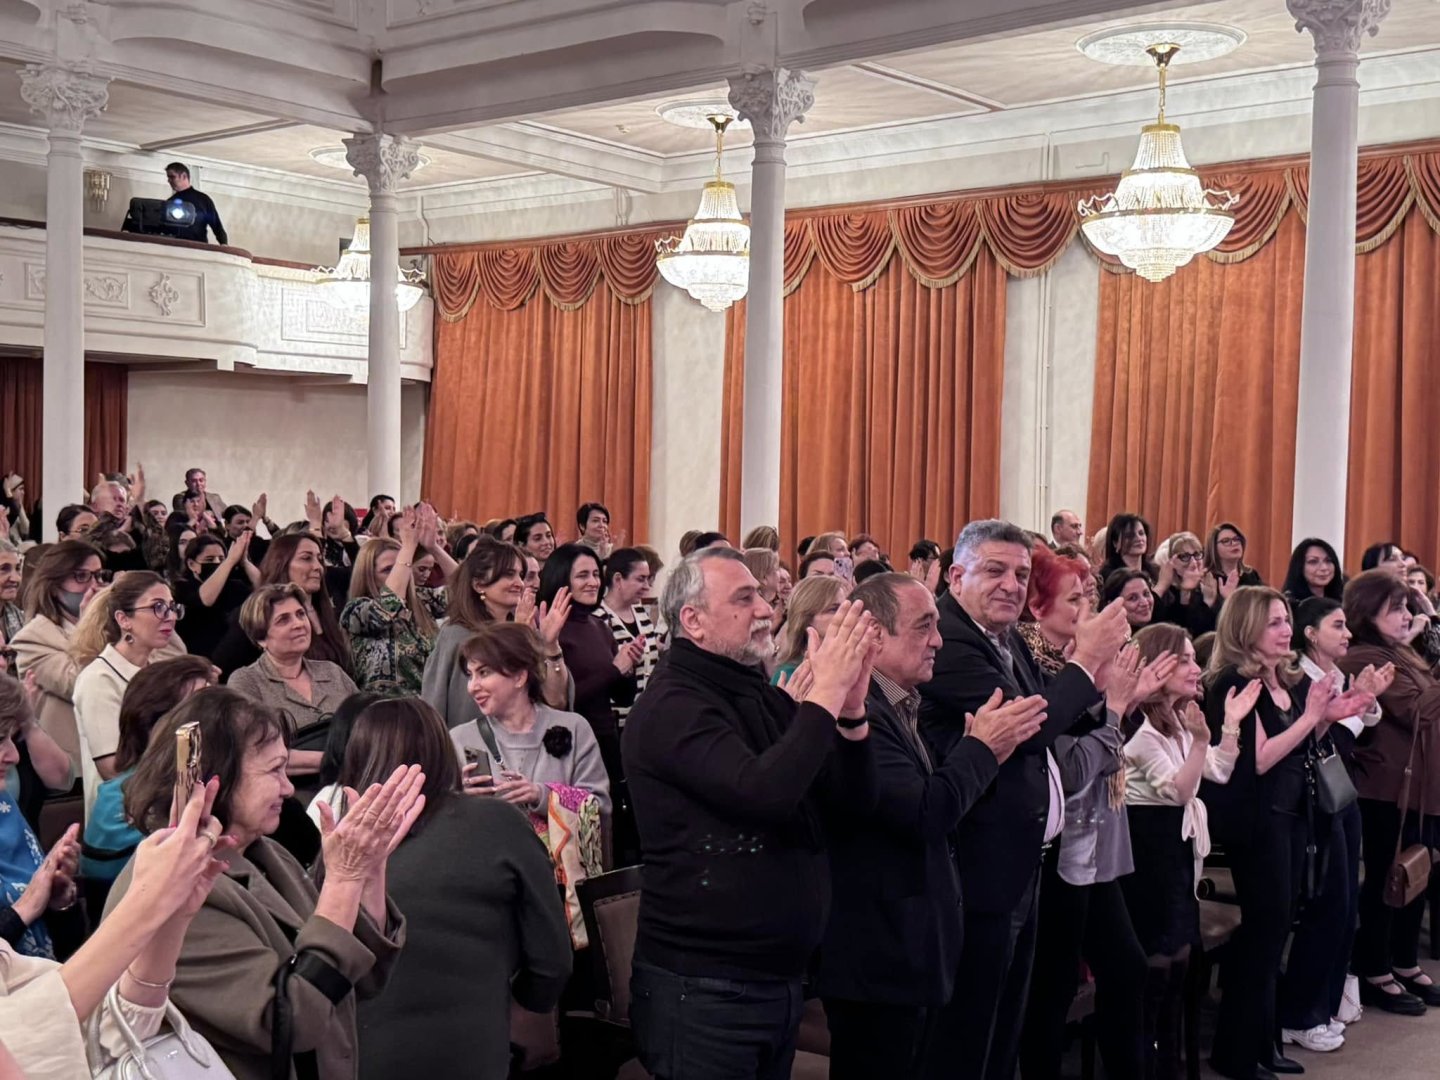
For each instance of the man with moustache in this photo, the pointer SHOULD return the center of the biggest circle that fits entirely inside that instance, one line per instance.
(999, 844)
(888, 961)
(730, 778)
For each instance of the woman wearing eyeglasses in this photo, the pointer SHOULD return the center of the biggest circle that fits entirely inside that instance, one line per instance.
(1225, 566)
(61, 586)
(140, 618)
(1179, 599)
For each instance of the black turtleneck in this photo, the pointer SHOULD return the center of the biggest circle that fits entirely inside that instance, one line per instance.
(728, 777)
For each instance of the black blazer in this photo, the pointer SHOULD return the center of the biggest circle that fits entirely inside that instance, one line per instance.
(998, 843)
(895, 931)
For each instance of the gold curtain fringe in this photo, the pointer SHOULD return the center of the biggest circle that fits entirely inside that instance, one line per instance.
(1430, 211)
(1298, 200)
(791, 284)
(880, 267)
(1364, 247)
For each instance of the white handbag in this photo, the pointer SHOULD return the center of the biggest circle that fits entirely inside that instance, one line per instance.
(174, 1054)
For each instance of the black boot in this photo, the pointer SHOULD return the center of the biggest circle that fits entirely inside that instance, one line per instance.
(1171, 1022)
(1157, 983)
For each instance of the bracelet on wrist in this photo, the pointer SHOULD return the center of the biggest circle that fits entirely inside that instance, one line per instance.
(1230, 731)
(149, 985)
(850, 723)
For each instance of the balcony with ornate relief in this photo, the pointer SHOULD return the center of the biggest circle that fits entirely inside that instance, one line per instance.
(153, 300)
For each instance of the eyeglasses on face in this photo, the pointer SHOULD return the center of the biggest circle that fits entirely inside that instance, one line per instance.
(1229, 541)
(1189, 557)
(162, 609)
(85, 577)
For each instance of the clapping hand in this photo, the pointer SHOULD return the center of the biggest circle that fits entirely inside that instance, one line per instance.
(1098, 637)
(1004, 725)
(1130, 680)
(629, 655)
(838, 659)
(357, 846)
(553, 618)
(1192, 718)
(52, 887)
(313, 513)
(260, 508)
(1240, 702)
(798, 682)
(1375, 681)
(4, 523)
(407, 529)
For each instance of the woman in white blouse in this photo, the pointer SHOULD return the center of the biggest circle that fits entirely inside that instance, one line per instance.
(1166, 758)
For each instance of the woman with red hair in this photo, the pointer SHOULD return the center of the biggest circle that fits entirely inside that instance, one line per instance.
(1082, 910)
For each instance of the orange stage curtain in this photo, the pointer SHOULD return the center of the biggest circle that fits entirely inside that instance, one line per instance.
(1196, 384)
(541, 396)
(891, 396)
(21, 418)
(1394, 390)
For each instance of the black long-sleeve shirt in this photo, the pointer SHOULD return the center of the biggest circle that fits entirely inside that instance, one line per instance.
(729, 778)
(206, 216)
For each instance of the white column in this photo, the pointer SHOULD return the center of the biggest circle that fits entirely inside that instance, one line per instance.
(1322, 433)
(770, 100)
(383, 160)
(65, 97)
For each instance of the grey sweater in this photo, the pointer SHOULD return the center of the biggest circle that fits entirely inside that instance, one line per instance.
(581, 767)
(445, 684)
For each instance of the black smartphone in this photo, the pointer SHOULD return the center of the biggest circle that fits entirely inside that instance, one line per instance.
(480, 759)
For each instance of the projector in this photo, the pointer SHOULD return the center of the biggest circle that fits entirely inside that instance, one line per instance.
(179, 212)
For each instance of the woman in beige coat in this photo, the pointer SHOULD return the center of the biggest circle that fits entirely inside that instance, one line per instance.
(265, 911)
(59, 589)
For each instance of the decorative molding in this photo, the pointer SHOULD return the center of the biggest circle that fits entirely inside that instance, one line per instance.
(34, 281)
(66, 97)
(164, 295)
(383, 160)
(771, 99)
(1338, 26)
(109, 290)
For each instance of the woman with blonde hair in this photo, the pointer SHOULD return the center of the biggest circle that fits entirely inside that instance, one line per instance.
(813, 603)
(762, 536)
(1262, 814)
(391, 622)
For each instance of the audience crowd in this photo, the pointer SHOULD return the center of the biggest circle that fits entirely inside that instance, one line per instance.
(932, 797)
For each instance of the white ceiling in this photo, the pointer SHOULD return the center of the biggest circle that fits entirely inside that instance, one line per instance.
(627, 144)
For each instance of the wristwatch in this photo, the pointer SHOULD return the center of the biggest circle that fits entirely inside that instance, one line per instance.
(849, 723)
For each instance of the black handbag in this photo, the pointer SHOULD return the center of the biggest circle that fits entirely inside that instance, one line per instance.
(1334, 790)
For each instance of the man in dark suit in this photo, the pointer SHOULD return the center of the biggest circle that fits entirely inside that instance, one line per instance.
(888, 961)
(1000, 841)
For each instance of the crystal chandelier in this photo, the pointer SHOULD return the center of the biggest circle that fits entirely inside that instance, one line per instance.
(346, 285)
(1159, 216)
(712, 260)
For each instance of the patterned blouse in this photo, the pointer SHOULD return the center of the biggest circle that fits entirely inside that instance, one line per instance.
(623, 636)
(390, 652)
(1047, 657)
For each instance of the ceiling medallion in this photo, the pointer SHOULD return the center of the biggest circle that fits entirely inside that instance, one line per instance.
(1128, 45)
(696, 113)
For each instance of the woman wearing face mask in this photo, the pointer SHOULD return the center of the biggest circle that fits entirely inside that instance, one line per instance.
(1315, 1001)
(1387, 943)
(140, 619)
(211, 591)
(294, 559)
(604, 673)
(1262, 814)
(1166, 757)
(1132, 588)
(1314, 572)
(61, 585)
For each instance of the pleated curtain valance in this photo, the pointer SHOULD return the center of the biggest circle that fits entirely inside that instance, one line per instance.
(566, 272)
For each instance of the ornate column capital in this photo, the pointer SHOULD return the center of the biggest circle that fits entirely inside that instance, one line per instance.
(382, 160)
(1338, 26)
(65, 96)
(771, 99)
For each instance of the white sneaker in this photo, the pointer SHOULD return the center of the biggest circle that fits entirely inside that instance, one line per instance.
(1350, 1009)
(1318, 1038)
(1335, 1027)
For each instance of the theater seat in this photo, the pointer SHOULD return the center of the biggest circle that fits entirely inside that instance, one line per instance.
(1218, 922)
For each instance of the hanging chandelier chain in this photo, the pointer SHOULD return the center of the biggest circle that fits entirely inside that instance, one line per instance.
(1163, 53)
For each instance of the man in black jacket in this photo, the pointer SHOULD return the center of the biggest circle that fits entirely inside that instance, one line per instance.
(189, 213)
(891, 950)
(999, 843)
(729, 777)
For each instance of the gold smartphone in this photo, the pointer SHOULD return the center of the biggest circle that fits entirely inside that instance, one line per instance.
(187, 763)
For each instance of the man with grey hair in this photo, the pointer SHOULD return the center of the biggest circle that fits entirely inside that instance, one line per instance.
(730, 778)
(998, 845)
(891, 950)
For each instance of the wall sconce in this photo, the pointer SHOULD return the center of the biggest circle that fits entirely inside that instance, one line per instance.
(97, 188)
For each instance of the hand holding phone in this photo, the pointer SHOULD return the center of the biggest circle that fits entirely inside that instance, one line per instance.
(187, 764)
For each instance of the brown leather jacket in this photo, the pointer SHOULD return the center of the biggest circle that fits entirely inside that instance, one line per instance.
(1378, 763)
